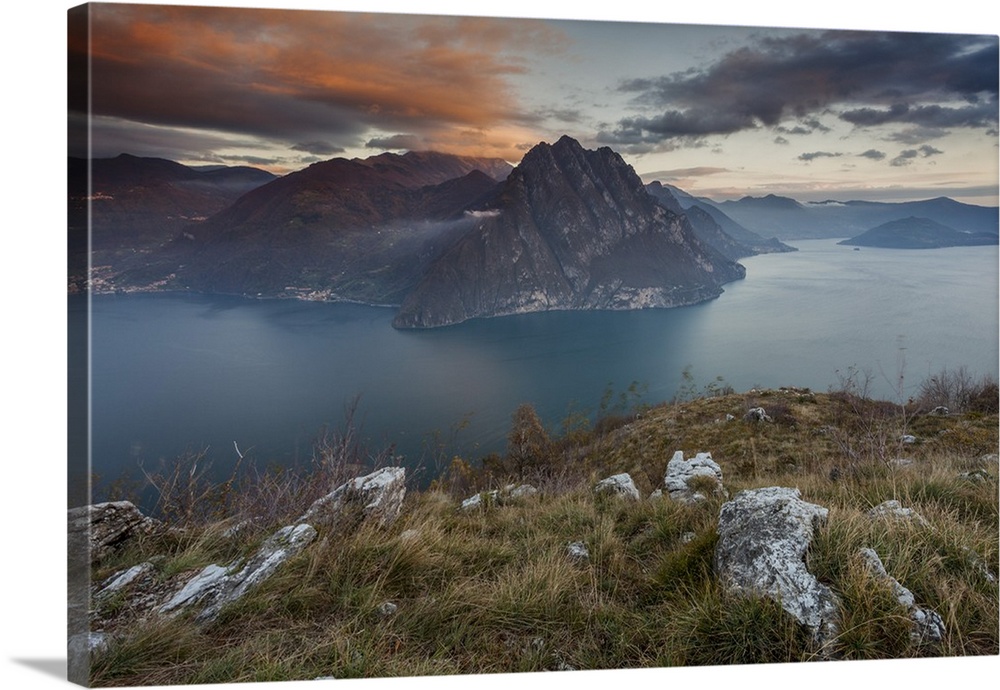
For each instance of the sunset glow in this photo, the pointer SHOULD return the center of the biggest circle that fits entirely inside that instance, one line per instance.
(720, 111)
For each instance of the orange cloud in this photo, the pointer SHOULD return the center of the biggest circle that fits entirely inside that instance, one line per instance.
(301, 75)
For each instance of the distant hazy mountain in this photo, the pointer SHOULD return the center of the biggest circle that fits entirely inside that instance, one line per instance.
(449, 238)
(918, 233)
(569, 229)
(788, 219)
(141, 202)
(714, 227)
(137, 205)
(360, 230)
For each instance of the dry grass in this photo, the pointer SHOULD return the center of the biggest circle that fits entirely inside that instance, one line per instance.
(493, 590)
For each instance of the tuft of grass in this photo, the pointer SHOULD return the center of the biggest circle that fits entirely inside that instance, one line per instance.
(494, 590)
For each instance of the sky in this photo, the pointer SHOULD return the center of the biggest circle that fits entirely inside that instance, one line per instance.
(719, 111)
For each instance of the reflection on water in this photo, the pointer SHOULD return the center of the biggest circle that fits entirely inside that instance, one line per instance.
(177, 372)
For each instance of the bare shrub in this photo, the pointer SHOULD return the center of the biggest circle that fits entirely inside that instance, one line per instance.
(959, 391)
(185, 492)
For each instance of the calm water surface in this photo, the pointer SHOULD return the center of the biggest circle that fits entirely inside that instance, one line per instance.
(182, 372)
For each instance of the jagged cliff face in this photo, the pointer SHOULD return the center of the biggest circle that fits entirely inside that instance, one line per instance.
(569, 229)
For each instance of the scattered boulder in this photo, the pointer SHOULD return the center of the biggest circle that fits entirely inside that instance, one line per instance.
(892, 510)
(496, 496)
(979, 563)
(109, 525)
(481, 499)
(520, 491)
(618, 485)
(379, 494)
(408, 535)
(757, 414)
(577, 552)
(764, 535)
(975, 476)
(693, 480)
(908, 439)
(928, 626)
(940, 411)
(387, 608)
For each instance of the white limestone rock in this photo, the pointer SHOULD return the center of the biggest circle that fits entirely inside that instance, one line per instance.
(892, 510)
(481, 499)
(577, 552)
(764, 535)
(380, 495)
(618, 485)
(511, 492)
(757, 414)
(680, 472)
(928, 626)
(216, 586)
(204, 585)
(520, 491)
(122, 579)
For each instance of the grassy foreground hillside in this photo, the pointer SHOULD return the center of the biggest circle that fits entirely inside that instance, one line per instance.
(493, 589)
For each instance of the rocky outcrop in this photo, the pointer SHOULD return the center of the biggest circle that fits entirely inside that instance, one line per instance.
(620, 485)
(122, 579)
(379, 495)
(215, 586)
(928, 626)
(107, 526)
(764, 535)
(693, 480)
(568, 229)
(757, 414)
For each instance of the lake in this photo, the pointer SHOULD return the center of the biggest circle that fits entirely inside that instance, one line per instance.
(176, 372)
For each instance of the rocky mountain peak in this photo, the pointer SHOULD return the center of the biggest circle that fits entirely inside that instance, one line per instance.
(570, 228)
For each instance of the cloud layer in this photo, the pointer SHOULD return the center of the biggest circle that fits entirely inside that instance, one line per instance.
(864, 78)
(318, 82)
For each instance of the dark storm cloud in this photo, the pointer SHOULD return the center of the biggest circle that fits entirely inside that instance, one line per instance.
(907, 156)
(875, 77)
(409, 142)
(978, 115)
(873, 155)
(320, 148)
(916, 135)
(807, 126)
(818, 154)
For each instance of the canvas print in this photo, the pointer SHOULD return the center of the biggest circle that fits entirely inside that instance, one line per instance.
(415, 345)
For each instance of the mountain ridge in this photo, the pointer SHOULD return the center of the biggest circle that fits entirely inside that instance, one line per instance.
(569, 229)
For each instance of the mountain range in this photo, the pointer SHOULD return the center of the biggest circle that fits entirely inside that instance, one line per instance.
(788, 219)
(444, 238)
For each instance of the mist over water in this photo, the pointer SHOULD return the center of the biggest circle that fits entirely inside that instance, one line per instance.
(184, 372)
